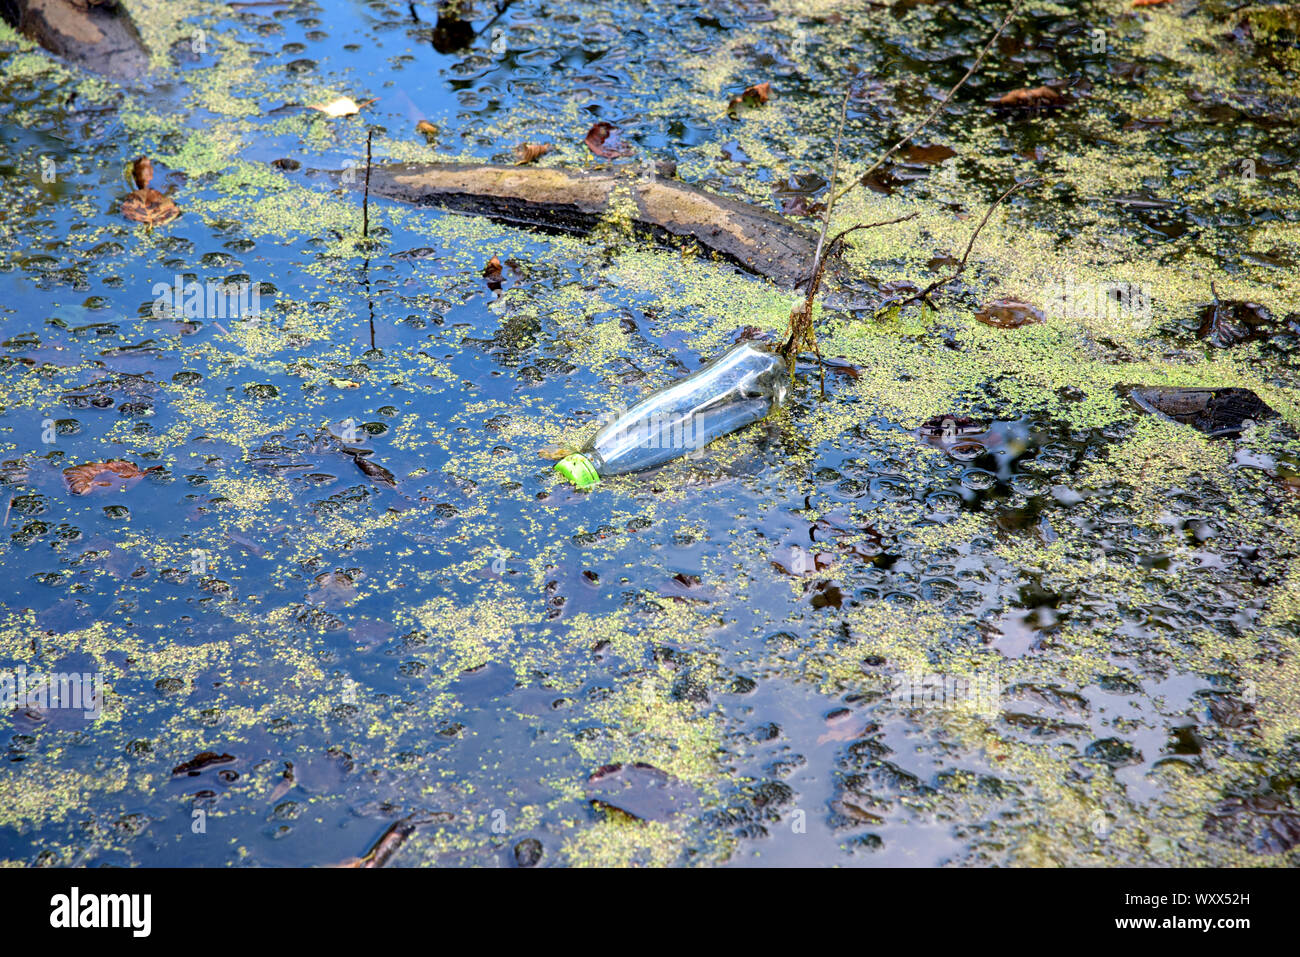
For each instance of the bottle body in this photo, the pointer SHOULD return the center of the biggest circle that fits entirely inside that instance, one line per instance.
(740, 387)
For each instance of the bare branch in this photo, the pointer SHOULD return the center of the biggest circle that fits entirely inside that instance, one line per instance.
(924, 294)
(830, 205)
(884, 222)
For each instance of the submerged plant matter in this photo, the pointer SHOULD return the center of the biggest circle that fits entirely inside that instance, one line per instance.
(976, 607)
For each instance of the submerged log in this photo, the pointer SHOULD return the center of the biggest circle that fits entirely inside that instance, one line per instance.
(574, 201)
(97, 35)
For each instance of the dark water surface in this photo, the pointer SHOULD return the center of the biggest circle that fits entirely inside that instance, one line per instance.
(1070, 637)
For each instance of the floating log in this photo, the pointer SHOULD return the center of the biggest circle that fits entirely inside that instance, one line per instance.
(97, 35)
(574, 201)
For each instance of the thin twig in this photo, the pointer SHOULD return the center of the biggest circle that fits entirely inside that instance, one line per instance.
(801, 331)
(365, 231)
(1015, 7)
(924, 294)
(830, 205)
(814, 281)
(853, 229)
(365, 201)
(501, 9)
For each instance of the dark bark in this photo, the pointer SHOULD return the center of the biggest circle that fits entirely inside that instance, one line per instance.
(97, 35)
(574, 201)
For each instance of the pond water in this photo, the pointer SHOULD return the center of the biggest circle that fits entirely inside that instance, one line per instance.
(1065, 633)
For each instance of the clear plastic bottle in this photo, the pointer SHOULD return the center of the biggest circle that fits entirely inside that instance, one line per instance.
(741, 386)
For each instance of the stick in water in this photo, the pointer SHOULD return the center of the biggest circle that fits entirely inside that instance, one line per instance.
(924, 295)
(801, 333)
(365, 200)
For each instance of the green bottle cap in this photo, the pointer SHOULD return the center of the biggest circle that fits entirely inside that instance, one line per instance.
(577, 468)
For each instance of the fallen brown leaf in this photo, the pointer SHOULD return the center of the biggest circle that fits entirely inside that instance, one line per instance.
(492, 273)
(931, 155)
(1009, 314)
(204, 759)
(531, 152)
(375, 472)
(1227, 322)
(755, 95)
(1037, 96)
(1148, 3)
(150, 207)
(799, 205)
(605, 140)
(1216, 412)
(82, 478)
(147, 205)
(426, 129)
(388, 844)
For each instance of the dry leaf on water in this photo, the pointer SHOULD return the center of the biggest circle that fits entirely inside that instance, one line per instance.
(1216, 412)
(343, 106)
(389, 843)
(492, 273)
(150, 207)
(800, 205)
(1009, 314)
(375, 472)
(201, 762)
(142, 172)
(82, 478)
(930, 155)
(606, 141)
(531, 152)
(1037, 96)
(427, 130)
(755, 95)
(147, 205)
(1228, 322)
